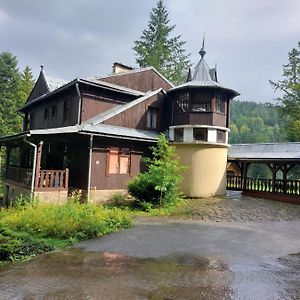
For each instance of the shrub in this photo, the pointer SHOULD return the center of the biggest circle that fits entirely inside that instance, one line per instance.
(159, 185)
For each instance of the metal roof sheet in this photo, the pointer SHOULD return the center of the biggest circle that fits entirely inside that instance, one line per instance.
(264, 151)
(54, 83)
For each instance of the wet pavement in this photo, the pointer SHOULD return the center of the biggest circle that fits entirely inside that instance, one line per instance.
(163, 258)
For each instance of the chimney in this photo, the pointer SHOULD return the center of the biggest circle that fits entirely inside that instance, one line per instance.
(120, 68)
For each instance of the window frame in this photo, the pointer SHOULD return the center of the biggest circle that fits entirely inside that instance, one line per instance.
(205, 131)
(151, 112)
(121, 154)
(54, 111)
(67, 110)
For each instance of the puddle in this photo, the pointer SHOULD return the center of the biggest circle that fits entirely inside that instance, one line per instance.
(75, 274)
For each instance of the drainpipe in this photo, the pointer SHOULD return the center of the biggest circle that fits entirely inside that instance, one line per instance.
(90, 167)
(79, 103)
(33, 168)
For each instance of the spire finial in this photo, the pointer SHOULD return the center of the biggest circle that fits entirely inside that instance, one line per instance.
(42, 67)
(202, 52)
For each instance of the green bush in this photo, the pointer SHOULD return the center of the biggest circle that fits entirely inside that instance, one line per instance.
(159, 185)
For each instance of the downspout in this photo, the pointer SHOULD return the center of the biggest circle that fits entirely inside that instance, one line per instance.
(33, 168)
(79, 103)
(90, 168)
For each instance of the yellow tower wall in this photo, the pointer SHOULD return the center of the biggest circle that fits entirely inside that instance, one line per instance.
(206, 169)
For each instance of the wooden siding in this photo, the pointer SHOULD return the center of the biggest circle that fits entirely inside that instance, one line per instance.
(100, 179)
(135, 117)
(96, 101)
(92, 107)
(38, 110)
(142, 81)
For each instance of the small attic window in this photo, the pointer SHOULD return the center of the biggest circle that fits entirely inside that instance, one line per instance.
(54, 111)
(152, 114)
(46, 113)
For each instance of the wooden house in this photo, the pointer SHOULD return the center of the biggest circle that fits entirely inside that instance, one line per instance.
(90, 134)
(86, 134)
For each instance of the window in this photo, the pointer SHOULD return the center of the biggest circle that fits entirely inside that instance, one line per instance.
(46, 114)
(202, 103)
(182, 104)
(31, 120)
(220, 104)
(67, 110)
(54, 111)
(152, 114)
(14, 157)
(221, 136)
(118, 161)
(200, 134)
(178, 134)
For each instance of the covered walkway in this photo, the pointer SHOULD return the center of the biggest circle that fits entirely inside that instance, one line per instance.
(279, 175)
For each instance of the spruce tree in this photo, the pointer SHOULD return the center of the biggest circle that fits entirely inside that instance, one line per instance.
(156, 47)
(290, 100)
(10, 102)
(27, 83)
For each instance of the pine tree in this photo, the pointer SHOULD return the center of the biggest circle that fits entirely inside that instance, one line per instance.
(10, 102)
(290, 100)
(157, 48)
(27, 83)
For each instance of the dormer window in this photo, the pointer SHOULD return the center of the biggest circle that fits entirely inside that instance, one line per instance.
(152, 114)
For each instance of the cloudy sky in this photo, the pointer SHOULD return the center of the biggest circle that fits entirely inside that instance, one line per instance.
(248, 40)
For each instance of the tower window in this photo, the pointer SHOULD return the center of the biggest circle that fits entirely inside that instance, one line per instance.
(182, 104)
(200, 134)
(220, 104)
(202, 103)
(152, 114)
(178, 134)
(221, 136)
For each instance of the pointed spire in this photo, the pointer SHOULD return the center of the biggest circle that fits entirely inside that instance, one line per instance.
(189, 76)
(202, 52)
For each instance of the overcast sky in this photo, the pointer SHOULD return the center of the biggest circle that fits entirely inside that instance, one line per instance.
(248, 40)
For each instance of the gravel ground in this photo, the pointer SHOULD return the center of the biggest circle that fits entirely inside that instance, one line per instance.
(236, 207)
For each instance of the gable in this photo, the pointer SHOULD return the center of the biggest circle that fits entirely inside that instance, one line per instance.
(40, 88)
(143, 80)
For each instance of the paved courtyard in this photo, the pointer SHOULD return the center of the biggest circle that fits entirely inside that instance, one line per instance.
(235, 248)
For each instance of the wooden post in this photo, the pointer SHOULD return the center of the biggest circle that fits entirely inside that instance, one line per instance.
(244, 175)
(67, 179)
(38, 164)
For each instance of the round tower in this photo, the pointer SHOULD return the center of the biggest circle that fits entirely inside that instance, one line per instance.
(199, 131)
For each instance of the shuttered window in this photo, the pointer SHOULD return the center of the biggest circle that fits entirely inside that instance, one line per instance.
(119, 161)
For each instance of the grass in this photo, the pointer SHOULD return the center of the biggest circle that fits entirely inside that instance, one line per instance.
(30, 230)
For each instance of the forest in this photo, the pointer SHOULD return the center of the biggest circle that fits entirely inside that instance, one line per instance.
(252, 122)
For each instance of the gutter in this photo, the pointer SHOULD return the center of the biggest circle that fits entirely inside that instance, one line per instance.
(33, 168)
(90, 168)
(79, 103)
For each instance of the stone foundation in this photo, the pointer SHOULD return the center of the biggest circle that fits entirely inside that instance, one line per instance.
(102, 196)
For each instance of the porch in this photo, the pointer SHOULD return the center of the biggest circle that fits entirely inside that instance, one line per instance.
(45, 180)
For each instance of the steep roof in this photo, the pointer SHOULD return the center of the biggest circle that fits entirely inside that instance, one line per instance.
(268, 151)
(204, 77)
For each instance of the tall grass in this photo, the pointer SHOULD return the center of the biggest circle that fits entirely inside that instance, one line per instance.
(29, 230)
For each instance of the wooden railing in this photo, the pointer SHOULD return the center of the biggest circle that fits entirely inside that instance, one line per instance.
(52, 180)
(237, 183)
(46, 180)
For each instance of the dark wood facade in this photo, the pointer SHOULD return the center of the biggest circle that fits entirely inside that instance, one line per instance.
(200, 106)
(146, 80)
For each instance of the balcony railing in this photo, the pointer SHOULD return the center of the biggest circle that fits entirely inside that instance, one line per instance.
(47, 180)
